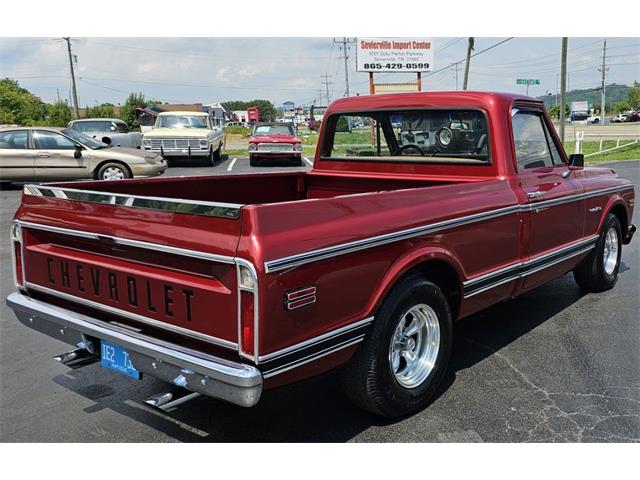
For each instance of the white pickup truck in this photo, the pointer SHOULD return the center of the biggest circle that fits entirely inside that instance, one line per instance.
(185, 135)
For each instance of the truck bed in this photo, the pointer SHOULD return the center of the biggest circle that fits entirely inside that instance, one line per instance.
(252, 189)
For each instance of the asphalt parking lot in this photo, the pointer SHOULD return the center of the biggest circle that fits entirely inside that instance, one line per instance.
(552, 365)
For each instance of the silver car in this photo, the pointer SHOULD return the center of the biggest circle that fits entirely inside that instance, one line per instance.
(112, 131)
(45, 153)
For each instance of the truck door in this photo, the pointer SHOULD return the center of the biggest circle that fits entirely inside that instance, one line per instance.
(555, 217)
(54, 157)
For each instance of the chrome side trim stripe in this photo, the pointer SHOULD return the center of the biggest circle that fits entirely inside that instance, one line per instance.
(517, 270)
(131, 243)
(344, 248)
(341, 249)
(312, 349)
(134, 316)
(315, 340)
(175, 205)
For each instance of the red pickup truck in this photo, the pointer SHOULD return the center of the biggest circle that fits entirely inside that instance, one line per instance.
(421, 209)
(274, 143)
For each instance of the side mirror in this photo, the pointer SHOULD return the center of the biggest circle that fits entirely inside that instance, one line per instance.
(78, 151)
(576, 160)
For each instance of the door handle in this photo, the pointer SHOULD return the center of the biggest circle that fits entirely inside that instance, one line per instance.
(565, 174)
(534, 195)
(44, 155)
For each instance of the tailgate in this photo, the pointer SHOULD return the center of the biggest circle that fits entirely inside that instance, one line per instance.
(160, 263)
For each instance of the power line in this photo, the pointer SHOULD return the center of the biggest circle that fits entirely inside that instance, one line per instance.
(345, 42)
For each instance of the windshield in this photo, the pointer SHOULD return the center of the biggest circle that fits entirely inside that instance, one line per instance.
(182, 121)
(92, 143)
(425, 136)
(93, 126)
(273, 130)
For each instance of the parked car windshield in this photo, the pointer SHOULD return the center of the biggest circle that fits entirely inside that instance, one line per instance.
(89, 142)
(182, 121)
(273, 130)
(426, 136)
(94, 126)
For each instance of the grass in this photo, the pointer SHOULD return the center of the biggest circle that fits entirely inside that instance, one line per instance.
(632, 152)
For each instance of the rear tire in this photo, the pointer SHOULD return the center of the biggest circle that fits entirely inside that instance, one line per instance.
(599, 271)
(395, 372)
(113, 171)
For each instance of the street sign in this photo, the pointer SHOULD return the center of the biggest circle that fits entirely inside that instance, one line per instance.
(400, 55)
(527, 81)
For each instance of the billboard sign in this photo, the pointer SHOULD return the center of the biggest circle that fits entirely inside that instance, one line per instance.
(580, 106)
(394, 55)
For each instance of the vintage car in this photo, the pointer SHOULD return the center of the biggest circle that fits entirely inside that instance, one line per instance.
(111, 131)
(274, 143)
(45, 153)
(180, 135)
(229, 285)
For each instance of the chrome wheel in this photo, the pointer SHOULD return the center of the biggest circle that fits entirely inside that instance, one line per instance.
(113, 173)
(610, 256)
(414, 346)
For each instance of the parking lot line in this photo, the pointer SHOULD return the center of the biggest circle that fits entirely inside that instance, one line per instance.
(230, 167)
(308, 161)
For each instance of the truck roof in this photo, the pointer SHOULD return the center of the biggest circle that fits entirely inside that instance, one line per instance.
(193, 114)
(460, 99)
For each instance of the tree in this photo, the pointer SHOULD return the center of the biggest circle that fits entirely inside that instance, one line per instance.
(267, 110)
(100, 111)
(633, 96)
(128, 110)
(621, 107)
(18, 105)
(58, 114)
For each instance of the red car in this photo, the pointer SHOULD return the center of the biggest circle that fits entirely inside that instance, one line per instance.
(274, 143)
(421, 209)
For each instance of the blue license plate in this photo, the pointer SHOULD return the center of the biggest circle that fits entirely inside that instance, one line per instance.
(117, 358)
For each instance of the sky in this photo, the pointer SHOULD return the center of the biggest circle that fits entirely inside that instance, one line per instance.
(208, 70)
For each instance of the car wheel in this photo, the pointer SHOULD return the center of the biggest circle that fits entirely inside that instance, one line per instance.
(113, 171)
(297, 162)
(218, 153)
(253, 161)
(401, 362)
(599, 271)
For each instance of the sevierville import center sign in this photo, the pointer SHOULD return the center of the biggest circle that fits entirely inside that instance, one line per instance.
(394, 54)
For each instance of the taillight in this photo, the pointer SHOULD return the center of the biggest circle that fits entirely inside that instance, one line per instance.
(247, 318)
(16, 241)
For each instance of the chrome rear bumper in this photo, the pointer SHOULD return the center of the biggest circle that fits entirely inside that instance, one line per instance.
(200, 372)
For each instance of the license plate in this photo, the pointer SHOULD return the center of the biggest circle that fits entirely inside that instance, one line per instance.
(117, 358)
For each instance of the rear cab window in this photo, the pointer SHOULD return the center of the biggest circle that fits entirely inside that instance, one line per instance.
(420, 136)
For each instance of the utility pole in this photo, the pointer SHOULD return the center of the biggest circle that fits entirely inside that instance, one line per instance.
(604, 73)
(345, 41)
(563, 86)
(466, 65)
(326, 83)
(73, 78)
(457, 67)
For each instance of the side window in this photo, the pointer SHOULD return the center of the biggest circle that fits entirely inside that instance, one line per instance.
(52, 141)
(532, 149)
(121, 127)
(16, 140)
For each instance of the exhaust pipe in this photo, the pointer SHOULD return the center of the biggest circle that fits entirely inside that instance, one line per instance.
(77, 358)
(171, 401)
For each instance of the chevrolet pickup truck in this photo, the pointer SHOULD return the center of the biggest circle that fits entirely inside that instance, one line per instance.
(227, 286)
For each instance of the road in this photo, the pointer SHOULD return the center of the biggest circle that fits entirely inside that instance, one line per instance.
(552, 365)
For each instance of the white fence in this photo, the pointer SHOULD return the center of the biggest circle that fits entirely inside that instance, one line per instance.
(627, 139)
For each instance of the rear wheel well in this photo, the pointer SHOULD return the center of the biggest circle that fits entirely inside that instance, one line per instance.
(444, 276)
(619, 211)
(99, 166)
